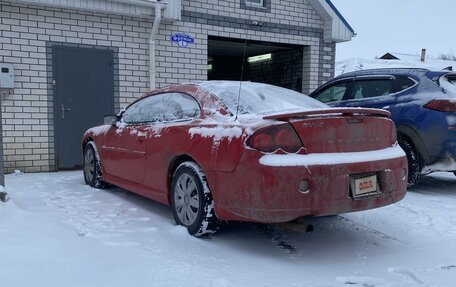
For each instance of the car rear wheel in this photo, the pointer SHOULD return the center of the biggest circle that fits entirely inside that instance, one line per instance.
(191, 200)
(92, 166)
(413, 159)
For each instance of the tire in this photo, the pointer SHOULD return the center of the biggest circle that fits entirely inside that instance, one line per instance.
(92, 166)
(413, 159)
(191, 200)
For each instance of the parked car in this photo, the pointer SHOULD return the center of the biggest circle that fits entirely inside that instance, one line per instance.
(221, 150)
(422, 104)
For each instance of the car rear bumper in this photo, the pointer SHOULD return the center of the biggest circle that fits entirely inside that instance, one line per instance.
(445, 160)
(265, 189)
(437, 132)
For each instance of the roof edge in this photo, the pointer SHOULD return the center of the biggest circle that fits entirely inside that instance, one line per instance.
(340, 16)
(336, 27)
(135, 8)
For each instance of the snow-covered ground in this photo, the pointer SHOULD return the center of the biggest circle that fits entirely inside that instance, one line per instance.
(56, 231)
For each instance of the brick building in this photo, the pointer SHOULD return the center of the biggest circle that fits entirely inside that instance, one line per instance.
(75, 60)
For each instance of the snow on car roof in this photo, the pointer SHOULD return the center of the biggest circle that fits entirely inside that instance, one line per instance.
(259, 98)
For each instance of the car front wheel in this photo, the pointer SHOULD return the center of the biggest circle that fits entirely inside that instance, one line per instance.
(92, 166)
(191, 200)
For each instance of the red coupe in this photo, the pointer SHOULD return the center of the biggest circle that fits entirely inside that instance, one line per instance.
(245, 151)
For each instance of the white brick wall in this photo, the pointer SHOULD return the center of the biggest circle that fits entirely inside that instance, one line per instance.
(25, 31)
(290, 12)
(192, 64)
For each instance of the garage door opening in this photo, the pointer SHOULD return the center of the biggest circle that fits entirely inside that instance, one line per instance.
(264, 62)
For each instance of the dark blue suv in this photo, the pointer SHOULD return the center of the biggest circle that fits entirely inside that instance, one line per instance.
(422, 104)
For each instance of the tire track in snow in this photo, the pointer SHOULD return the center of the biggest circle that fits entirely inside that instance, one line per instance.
(90, 216)
(366, 229)
(409, 276)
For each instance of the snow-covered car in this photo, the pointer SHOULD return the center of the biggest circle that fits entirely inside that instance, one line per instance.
(422, 105)
(243, 151)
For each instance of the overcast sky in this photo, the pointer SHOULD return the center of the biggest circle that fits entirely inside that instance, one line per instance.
(402, 26)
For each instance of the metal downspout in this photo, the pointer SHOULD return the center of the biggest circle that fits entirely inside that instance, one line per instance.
(153, 35)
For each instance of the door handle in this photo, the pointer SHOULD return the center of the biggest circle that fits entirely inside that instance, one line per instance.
(64, 110)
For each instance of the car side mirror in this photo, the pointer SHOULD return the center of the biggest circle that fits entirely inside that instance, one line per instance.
(110, 120)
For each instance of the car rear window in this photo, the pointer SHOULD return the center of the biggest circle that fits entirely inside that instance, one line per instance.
(403, 83)
(260, 99)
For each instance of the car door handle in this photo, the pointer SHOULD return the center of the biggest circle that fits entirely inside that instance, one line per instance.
(64, 110)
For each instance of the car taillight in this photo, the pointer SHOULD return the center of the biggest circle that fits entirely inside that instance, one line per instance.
(442, 105)
(393, 134)
(272, 138)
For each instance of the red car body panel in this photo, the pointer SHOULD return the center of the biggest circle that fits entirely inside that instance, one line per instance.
(141, 158)
(271, 194)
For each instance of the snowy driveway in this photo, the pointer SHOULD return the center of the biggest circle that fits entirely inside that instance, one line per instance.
(55, 231)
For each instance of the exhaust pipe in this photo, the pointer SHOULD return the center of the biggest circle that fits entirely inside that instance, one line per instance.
(297, 226)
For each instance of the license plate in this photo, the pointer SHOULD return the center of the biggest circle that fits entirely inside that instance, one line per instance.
(362, 186)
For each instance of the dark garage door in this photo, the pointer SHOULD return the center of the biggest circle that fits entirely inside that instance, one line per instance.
(264, 62)
(83, 94)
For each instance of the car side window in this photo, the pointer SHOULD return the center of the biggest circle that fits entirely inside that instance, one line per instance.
(363, 89)
(180, 107)
(162, 108)
(333, 93)
(403, 83)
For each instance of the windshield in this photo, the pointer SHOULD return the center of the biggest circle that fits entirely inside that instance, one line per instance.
(261, 99)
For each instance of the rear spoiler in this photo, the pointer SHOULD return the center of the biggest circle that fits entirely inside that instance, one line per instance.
(333, 111)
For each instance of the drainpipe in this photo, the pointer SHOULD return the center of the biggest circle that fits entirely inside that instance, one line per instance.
(158, 16)
(153, 35)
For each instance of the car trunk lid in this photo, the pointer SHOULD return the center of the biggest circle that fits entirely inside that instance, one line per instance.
(342, 130)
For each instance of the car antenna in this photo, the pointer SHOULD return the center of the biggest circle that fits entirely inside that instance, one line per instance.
(240, 82)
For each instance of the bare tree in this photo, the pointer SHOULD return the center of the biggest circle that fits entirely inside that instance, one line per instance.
(448, 56)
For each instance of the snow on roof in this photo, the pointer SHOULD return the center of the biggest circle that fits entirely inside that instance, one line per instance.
(417, 59)
(406, 61)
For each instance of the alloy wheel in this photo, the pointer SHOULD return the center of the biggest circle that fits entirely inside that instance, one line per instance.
(186, 198)
(89, 165)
